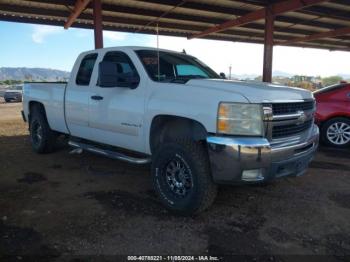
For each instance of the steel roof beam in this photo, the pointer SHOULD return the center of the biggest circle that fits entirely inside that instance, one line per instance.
(120, 28)
(143, 20)
(331, 33)
(79, 7)
(337, 13)
(277, 8)
(327, 11)
(163, 26)
(165, 31)
(33, 11)
(120, 22)
(115, 7)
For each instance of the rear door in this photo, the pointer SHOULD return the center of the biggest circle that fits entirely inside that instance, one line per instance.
(116, 113)
(78, 95)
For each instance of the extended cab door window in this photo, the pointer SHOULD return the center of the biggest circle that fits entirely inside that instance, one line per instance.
(85, 70)
(127, 73)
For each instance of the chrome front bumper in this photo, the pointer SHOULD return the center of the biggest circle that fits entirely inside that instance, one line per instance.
(232, 158)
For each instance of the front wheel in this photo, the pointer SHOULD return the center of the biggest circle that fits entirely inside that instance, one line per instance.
(336, 132)
(181, 177)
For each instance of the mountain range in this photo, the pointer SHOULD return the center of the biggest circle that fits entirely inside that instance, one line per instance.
(277, 73)
(253, 76)
(32, 74)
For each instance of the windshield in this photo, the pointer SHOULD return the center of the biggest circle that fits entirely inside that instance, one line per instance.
(173, 67)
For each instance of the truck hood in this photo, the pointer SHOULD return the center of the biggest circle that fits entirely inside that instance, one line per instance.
(254, 92)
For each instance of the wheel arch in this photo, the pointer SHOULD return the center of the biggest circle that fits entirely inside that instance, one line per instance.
(32, 105)
(167, 128)
(330, 117)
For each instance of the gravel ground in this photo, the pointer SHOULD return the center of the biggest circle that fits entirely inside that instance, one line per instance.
(61, 206)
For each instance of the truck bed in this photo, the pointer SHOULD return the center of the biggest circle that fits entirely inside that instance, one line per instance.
(51, 94)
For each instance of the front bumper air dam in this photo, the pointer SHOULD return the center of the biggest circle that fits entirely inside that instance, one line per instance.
(233, 159)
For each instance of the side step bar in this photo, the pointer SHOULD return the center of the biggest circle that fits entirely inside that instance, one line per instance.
(109, 153)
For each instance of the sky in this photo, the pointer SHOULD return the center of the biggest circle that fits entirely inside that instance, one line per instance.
(27, 45)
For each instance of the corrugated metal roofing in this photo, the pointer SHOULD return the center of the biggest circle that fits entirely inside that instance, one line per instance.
(184, 18)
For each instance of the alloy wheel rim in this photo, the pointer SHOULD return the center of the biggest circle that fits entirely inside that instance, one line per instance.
(178, 177)
(339, 133)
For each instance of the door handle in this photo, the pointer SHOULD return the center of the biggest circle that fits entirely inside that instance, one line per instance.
(97, 97)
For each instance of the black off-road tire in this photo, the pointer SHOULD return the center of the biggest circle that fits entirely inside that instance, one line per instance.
(195, 157)
(7, 101)
(325, 126)
(47, 142)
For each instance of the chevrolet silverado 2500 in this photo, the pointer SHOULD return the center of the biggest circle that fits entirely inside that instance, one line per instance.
(144, 105)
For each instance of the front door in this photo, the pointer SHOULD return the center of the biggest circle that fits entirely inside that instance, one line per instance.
(116, 113)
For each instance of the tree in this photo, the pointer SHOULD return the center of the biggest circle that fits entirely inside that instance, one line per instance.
(11, 82)
(331, 80)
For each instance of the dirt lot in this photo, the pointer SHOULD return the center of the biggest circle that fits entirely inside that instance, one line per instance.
(60, 205)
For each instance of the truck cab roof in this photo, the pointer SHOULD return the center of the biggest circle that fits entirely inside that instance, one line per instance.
(130, 48)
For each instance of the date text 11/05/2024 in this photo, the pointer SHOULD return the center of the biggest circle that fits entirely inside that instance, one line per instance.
(173, 258)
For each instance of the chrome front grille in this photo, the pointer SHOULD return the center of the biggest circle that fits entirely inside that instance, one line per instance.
(290, 108)
(289, 119)
(289, 130)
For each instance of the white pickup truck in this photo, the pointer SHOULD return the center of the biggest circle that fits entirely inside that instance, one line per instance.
(198, 130)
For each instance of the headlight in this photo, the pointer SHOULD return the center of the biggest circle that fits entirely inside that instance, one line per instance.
(240, 119)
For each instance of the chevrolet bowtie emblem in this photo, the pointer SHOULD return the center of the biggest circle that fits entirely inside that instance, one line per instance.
(302, 117)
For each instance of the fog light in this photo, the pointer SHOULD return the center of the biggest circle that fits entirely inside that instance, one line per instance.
(252, 175)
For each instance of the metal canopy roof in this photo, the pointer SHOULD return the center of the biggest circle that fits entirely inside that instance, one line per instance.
(188, 18)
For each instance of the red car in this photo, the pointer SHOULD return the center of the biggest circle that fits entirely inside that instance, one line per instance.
(333, 114)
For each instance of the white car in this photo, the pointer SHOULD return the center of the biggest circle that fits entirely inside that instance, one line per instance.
(146, 105)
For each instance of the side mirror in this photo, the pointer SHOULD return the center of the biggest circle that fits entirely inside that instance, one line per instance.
(222, 75)
(109, 75)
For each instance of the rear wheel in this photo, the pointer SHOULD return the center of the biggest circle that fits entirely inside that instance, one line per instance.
(336, 132)
(181, 177)
(43, 139)
(7, 100)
